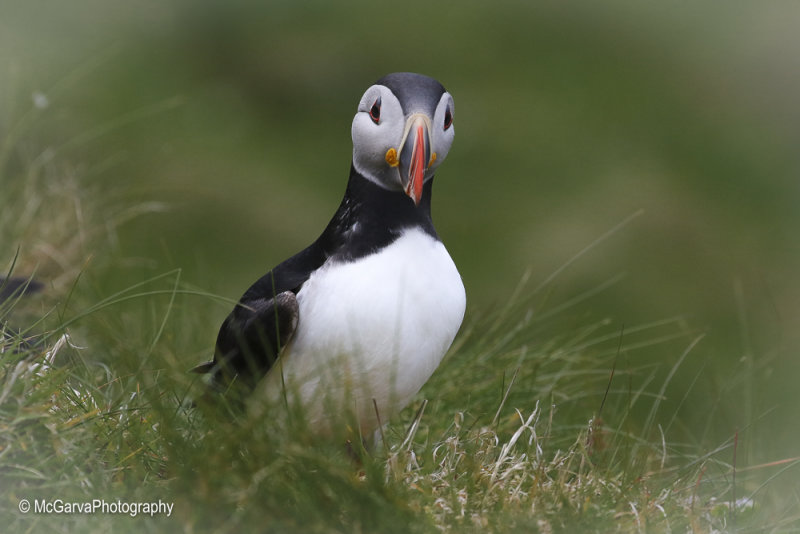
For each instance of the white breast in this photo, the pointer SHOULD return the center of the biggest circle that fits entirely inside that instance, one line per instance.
(375, 328)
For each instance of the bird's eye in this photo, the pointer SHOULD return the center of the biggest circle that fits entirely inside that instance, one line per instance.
(375, 111)
(448, 119)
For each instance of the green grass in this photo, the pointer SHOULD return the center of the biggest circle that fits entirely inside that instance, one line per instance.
(549, 414)
(540, 419)
(510, 437)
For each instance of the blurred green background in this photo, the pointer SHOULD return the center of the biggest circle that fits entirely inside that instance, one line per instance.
(232, 119)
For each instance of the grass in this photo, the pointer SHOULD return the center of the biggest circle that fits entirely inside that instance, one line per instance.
(521, 451)
(542, 418)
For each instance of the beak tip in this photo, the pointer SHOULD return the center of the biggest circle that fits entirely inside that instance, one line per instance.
(413, 194)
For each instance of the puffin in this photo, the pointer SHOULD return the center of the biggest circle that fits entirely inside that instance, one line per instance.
(12, 289)
(359, 320)
(15, 287)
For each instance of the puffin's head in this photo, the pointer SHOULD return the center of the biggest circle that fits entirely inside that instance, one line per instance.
(402, 132)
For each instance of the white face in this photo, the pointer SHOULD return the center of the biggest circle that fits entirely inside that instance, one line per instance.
(382, 125)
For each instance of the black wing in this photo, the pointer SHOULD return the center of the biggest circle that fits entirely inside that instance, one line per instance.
(262, 323)
(251, 339)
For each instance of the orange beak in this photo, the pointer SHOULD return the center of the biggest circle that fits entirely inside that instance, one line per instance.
(414, 156)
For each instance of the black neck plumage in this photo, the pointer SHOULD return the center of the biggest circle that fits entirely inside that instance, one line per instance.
(371, 217)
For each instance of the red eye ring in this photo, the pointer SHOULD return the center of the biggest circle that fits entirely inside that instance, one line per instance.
(375, 111)
(448, 118)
